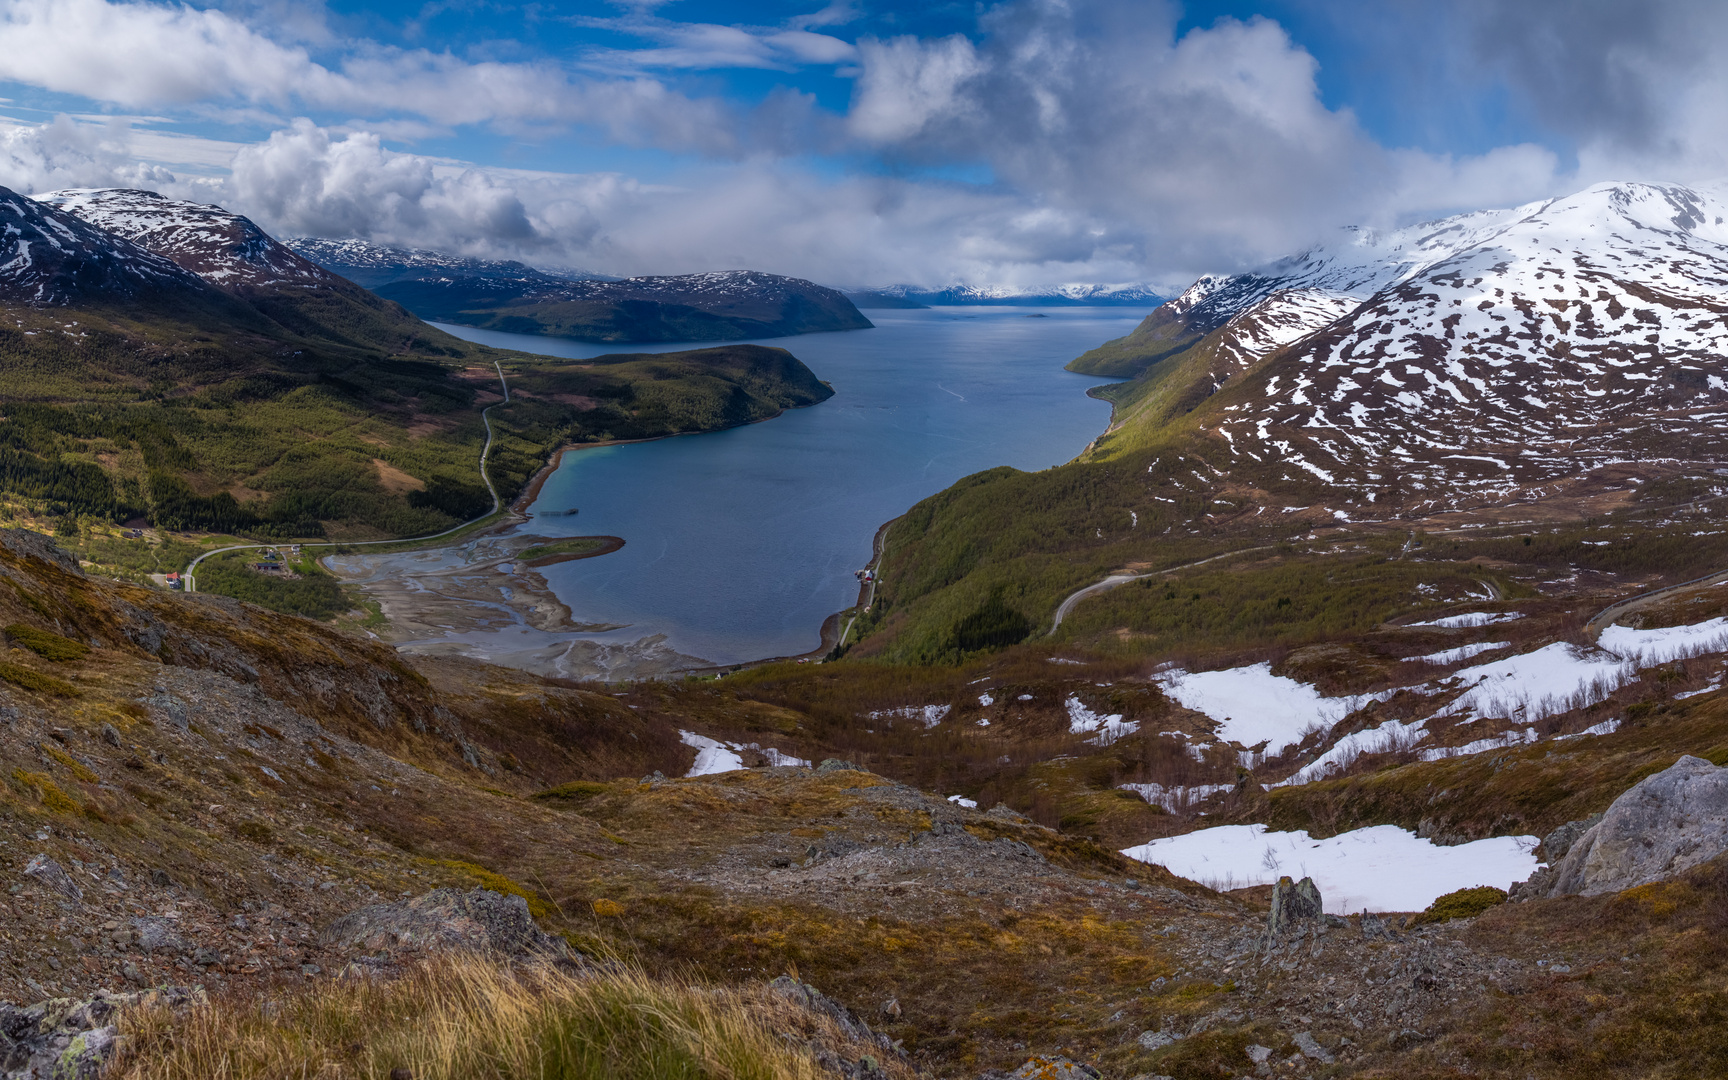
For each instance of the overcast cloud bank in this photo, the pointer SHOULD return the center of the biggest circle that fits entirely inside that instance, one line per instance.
(1092, 141)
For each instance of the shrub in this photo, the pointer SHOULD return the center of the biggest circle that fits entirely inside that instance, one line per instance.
(46, 644)
(18, 675)
(1463, 904)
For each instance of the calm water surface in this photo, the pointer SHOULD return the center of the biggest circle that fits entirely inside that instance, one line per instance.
(740, 543)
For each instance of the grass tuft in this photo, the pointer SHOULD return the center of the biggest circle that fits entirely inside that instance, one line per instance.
(46, 644)
(19, 675)
(464, 1018)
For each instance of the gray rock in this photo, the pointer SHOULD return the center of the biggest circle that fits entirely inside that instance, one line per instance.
(1295, 906)
(72, 1039)
(1557, 843)
(813, 999)
(157, 935)
(477, 921)
(1311, 1048)
(1664, 825)
(53, 875)
(836, 765)
(35, 545)
(1157, 1040)
(1259, 1054)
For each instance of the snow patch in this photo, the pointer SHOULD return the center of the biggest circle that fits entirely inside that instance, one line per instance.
(712, 756)
(1252, 705)
(1383, 868)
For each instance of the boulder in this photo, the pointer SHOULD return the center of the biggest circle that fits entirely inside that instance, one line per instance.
(71, 1038)
(53, 875)
(1296, 906)
(443, 919)
(1666, 824)
(1557, 843)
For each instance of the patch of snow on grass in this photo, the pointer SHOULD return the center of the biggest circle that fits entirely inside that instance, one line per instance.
(986, 700)
(961, 800)
(929, 715)
(1606, 727)
(775, 757)
(1175, 798)
(1667, 643)
(1553, 679)
(1383, 868)
(1109, 728)
(1497, 742)
(1472, 618)
(1388, 737)
(1462, 652)
(1252, 705)
(712, 756)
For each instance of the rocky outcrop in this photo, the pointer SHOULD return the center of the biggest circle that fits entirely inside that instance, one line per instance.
(72, 1039)
(1664, 825)
(444, 919)
(1296, 906)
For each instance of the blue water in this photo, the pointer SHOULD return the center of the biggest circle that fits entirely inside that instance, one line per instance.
(738, 544)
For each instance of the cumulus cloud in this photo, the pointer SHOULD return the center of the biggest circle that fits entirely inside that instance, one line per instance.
(1097, 143)
(64, 153)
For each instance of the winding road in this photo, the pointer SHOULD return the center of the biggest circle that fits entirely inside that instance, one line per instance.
(1114, 580)
(497, 504)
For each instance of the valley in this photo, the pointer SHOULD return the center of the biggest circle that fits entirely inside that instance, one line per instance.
(1306, 723)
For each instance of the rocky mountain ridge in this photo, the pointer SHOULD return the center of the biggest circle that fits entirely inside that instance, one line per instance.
(54, 259)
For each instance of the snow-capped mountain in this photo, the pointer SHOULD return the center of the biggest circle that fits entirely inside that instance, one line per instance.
(1127, 295)
(1482, 354)
(373, 265)
(49, 257)
(222, 247)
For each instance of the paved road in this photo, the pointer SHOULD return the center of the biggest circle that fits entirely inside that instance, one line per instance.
(1122, 578)
(497, 504)
(1603, 619)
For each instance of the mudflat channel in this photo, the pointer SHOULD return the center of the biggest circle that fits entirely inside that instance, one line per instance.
(738, 545)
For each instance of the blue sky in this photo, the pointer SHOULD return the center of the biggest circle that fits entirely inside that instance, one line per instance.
(859, 142)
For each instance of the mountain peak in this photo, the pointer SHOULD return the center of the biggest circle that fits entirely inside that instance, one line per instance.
(50, 258)
(222, 247)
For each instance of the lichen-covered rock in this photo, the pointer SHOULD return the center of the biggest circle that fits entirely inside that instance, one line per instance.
(1054, 1068)
(443, 919)
(72, 1039)
(1664, 825)
(1296, 905)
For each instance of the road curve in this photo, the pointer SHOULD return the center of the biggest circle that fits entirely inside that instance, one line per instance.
(1605, 618)
(1122, 577)
(485, 451)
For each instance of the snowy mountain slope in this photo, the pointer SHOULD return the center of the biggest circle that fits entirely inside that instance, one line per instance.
(52, 258)
(1565, 335)
(231, 253)
(1126, 294)
(223, 248)
(374, 265)
(1292, 297)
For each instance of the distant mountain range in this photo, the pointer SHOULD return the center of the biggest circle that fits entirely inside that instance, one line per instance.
(171, 360)
(1074, 295)
(726, 305)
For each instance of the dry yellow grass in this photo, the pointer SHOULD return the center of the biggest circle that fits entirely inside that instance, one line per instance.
(467, 1019)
